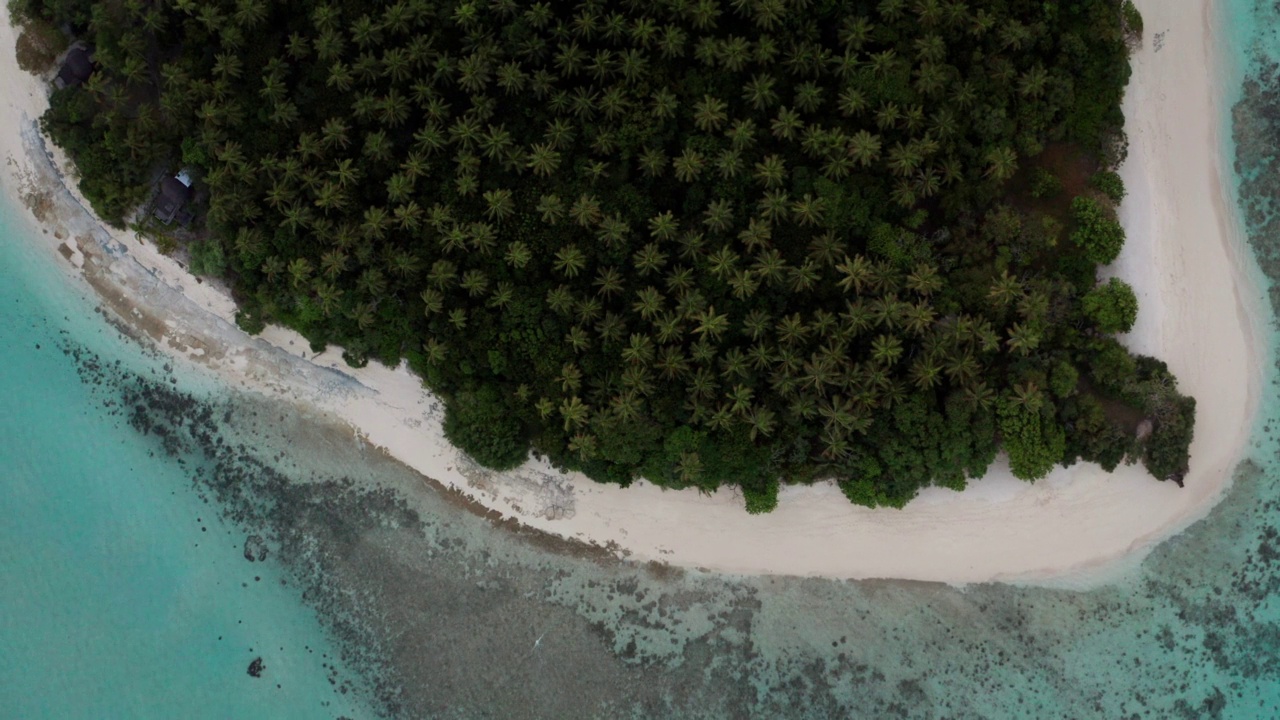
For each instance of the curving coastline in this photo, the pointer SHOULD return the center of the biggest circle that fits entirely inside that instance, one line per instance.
(1185, 258)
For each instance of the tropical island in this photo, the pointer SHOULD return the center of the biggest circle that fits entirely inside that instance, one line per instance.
(703, 243)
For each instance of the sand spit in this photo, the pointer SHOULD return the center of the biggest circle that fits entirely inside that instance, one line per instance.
(1201, 312)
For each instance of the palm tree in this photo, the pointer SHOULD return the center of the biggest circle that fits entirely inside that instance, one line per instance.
(371, 282)
(729, 163)
(864, 147)
(904, 159)
(649, 259)
(503, 294)
(499, 205)
(518, 254)
(474, 282)
(770, 266)
(560, 299)
(719, 215)
(774, 205)
(442, 274)
(574, 412)
(1005, 290)
(333, 263)
(496, 142)
(924, 279)
(1002, 163)
(329, 296)
(926, 183)
(888, 115)
(809, 210)
(559, 133)
(626, 405)
(663, 226)
(689, 165)
(399, 188)
(639, 350)
(791, 329)
(711, 324)
(918, 317)
(570, 261)
(543, 159)
(965, 95)
(408, 215)
(1023, 339)
(613, 230)
(1033, 81)
(482, 237)
(856, 319)
(377, 146)
(886, 349)
(961, 368)
(743, 284)
(672, 43)
(979, 396)
(808, 96)
(904, 193)
(757, 234)
(433, 301)
(709, 113)
(787, 124)
(577, 338)
(722, 262)
(609, 280)
(585, 211)
(551, 209)
(771, 171)
(668, 327)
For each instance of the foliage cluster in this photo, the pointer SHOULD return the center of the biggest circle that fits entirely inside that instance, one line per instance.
(38, 46)
(1098, 233)
(1112, 307)
(704, 241)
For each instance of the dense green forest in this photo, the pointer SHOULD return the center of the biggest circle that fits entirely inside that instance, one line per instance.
(706, 242)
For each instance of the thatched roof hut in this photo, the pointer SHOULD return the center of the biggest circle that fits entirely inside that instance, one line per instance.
(76, 68)
(172, 196)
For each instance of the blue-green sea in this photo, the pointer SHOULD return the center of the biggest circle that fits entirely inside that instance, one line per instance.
(132, 489)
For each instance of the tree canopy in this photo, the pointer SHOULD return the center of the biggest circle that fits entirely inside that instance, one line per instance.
(705, 242)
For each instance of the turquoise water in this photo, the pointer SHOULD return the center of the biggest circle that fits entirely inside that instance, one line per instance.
(122, 594)
(119, 578)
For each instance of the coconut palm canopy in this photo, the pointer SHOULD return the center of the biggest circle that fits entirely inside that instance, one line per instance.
(706, 242)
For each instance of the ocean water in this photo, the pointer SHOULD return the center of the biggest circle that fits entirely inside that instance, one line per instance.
(131, 489)
(123, 593)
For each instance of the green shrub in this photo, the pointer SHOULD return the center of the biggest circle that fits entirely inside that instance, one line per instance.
(1110, 365)
(207, 257)
(1097, 233)
(1044, 184)
(481, 424)
(1033, 440)
(1167, 452)
(1111, 307)
(761, 497)
(1064, 379)
(250, 322)
(38, 46)
(1131, 20)
(1108, 183)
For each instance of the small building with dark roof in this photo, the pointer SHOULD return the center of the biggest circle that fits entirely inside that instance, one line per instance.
(76, 68)
(173, 195)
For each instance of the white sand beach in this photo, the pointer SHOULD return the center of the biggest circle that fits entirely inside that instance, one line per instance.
(1201, 311)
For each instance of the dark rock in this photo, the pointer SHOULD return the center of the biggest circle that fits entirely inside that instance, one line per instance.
(255, 548)
(256, 667)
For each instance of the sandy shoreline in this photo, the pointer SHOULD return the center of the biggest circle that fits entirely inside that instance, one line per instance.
(1201, 312)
